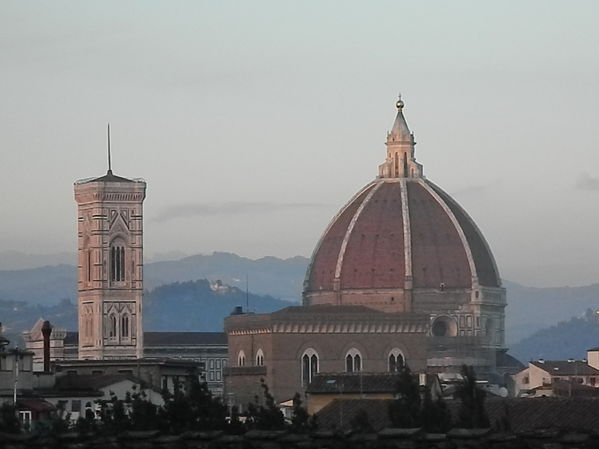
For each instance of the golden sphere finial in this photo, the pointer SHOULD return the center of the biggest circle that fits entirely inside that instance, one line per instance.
(399, 103)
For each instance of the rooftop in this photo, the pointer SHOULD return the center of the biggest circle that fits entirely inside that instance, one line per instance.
(340, 383)
(169, 338)
(566, 368)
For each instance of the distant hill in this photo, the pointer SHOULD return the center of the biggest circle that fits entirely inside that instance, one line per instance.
(195, 306)
(281, 278)
(18, 316)
(44, 285)
(567, 339)
(181, 306)
(529, 308)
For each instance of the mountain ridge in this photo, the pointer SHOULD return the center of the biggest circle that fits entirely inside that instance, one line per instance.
(529, 309)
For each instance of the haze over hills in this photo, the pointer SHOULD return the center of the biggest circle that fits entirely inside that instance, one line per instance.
(181, 306)
(15, 260)
(281, 278)
(563, 341)
(530, 309)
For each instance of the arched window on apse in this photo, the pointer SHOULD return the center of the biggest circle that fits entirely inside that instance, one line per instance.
(241, 358)
(309, 366)
(396, 360)
(353, 361)
(260, 357)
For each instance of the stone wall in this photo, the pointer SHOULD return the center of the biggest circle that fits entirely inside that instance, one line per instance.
(387, 438)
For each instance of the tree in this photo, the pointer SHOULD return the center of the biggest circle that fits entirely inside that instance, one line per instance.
(436, 417)
(301, 422)
(405, 411)
(472, 413)
(197, 410)
(143, 414)
(176, 415)
(209, 412)
(87, 423)
(360, 423)
(9, 422)
(267, 416)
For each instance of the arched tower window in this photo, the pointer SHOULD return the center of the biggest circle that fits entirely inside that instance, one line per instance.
(353, 361)
(89, 265)
(259, 357)
(117, 263)
(309, 366)
(241, 358)
(396, 360)
(112, 328)
(125, 326)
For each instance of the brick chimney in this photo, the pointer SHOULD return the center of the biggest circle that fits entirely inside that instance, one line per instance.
(46, 331)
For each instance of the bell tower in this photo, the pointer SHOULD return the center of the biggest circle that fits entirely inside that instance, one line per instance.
(110, 266)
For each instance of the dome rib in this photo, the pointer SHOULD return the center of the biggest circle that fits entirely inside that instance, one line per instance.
(349, 231)
(316, 276)
(458, 228)
(486, 267)
(374, 255)
(407, 235)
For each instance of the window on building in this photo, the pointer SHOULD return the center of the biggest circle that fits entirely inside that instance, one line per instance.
(125, 326)
(117, 263)
(396, 360)
(241, 358)
(259, 357)
(25, 418)
(112, 328)
(593, 380)
(353, 361)
(309, 365)
(76, 405)
(89, 266)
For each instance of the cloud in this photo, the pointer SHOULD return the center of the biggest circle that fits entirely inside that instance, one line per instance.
(228, 209)
(587, 182)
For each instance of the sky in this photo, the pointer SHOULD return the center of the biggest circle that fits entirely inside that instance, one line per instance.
(254, 122)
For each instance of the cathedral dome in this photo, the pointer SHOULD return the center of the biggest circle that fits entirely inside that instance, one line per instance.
(400, 235)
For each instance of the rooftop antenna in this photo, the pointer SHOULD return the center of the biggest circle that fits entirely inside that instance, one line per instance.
(247, 294)
(109, 161)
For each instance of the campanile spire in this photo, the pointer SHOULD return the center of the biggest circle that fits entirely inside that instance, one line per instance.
(400, 161)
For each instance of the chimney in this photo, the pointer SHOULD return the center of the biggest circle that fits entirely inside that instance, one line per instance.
(46, 331)
(238, 310)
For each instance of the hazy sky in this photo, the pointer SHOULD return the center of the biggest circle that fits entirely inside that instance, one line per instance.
(254, 122)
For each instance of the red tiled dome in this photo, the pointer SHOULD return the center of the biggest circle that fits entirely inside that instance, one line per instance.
(399, 235)
(392, 224)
